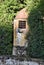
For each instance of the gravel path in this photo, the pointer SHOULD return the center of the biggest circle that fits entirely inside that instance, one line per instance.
(12, 61)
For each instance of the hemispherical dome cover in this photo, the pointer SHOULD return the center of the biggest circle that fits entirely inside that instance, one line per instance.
(22, 14)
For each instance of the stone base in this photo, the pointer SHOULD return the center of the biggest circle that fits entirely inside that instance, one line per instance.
(19, 51)
(14, 51)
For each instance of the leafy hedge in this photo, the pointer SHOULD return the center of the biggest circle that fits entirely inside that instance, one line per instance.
(5, 38)
(35, 35)
(8, 10)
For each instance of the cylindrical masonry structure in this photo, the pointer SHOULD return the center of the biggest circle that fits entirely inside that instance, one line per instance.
(20, 27)
(19, 37)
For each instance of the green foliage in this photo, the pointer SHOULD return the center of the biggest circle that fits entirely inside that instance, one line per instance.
(8, 10)
(35, 36)
(36, 32)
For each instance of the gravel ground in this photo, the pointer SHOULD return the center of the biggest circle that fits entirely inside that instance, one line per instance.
(13, 61)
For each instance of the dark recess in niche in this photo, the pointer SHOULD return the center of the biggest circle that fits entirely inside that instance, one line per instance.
(22, 24)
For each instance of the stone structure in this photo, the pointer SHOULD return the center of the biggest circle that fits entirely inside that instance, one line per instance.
(20, 29)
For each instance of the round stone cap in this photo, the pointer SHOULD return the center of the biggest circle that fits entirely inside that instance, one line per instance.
(22, 14)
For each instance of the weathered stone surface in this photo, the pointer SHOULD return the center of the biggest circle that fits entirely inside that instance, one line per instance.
(13, 61)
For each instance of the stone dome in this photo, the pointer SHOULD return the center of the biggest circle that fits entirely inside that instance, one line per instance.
(22, 14)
